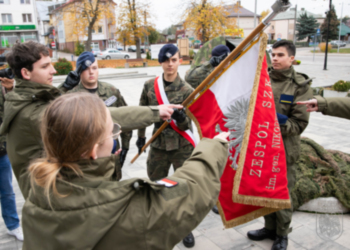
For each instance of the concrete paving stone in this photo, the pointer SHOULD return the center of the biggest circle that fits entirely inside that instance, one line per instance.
(201, 243)
(329, 245)
(305, 237)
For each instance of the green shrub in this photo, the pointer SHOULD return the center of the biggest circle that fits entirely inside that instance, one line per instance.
(63, 67)
(79, 48)
(298, 62)
(148, 56)
(191, 53)
(341, 86)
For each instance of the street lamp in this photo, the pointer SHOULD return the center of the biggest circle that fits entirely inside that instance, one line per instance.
(329, 21)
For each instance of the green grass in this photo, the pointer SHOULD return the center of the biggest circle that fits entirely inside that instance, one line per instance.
(346, 50)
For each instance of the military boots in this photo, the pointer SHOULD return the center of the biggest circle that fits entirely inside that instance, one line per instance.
(262, 234)
(188, 240)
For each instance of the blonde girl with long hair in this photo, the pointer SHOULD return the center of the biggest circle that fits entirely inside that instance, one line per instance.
(75, 204)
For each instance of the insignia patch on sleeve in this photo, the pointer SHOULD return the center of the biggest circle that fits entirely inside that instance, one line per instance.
(168, 183)
(287, 99)
(111, 100)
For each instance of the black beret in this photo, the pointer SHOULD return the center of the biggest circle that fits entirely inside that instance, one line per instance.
(85, 60)
(220, 50)
(167, 51)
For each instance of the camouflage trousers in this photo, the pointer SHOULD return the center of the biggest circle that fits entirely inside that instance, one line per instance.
(159, 161)
(280, 220)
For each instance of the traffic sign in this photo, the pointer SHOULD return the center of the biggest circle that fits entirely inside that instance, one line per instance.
(318, 31)
(53, 32)
(53, 45)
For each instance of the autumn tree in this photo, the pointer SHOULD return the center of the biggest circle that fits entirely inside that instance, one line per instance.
(133, 17)
(264, 13)
(207, 19)
(333, 27)
(306, 27)
(153, 35)
(84, 16)
(124, 36)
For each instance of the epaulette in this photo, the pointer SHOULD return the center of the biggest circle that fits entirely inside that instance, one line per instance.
(302, 79)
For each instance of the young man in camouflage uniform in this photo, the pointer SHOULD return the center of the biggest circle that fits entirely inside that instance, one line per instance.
(197, 75)
(169, 147)
(288, 88)
(112, 97)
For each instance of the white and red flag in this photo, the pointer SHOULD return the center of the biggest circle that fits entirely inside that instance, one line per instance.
(240, 100)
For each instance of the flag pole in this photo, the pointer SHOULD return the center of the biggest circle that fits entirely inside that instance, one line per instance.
(278, 7)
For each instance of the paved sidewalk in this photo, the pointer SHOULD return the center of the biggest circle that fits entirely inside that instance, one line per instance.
(330, 132)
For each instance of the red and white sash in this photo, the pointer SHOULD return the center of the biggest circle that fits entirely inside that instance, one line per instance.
(163, 99)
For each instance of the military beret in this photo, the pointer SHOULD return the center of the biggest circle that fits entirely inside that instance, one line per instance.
(167, 51)
(220, 50)
(85, 60)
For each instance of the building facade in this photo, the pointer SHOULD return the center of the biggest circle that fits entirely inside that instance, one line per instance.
(103, 32)
(18, 22)
(283, 25)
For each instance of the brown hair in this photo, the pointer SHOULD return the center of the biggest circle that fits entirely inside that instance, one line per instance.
(71, 126)
(24, 55)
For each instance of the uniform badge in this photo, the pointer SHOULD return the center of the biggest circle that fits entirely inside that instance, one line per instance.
(111, 100)
(287, 99)
(168, 54)
(88, 63)
(168, 183)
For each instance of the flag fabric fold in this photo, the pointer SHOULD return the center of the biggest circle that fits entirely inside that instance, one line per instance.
(240, 100)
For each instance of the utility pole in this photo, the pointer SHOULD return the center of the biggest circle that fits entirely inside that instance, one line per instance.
(255, 15)
(295, 24)
(329, 21)
(341, 18)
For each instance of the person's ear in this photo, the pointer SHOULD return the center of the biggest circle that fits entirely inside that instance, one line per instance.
(292, 58)
(93, 153)
(25, 74)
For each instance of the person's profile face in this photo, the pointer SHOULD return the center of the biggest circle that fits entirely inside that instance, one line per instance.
(42, 72)
(89, 76)
(280, 58)
(171, 65)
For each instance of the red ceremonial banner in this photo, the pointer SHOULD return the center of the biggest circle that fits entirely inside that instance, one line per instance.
(240, 100)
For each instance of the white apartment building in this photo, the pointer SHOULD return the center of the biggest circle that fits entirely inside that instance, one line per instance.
(17, 22)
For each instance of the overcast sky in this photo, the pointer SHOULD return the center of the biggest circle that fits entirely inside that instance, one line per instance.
(168, 12)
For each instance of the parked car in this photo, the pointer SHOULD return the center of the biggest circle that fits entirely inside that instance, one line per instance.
(269, 48)
(95, 52)
(113, 54)
(132, 48)
(3, 57)
(338, 43)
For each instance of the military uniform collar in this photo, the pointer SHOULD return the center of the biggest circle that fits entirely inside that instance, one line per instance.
(36, 91)
(101, 90)
(22, 83)
(100, 168)
(281, 75)
(175, 85)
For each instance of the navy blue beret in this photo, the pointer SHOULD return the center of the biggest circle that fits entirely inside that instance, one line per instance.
(167, 51)
(220, 50)
(85, 60)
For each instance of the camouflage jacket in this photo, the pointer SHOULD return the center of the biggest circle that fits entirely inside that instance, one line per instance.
(176, 92)
(288, 88)
(198, 74)
(112, 98)
(334, 106)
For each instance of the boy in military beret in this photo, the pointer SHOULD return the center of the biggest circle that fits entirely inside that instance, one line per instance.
(289, 87)
(87, 69)
(170, 147)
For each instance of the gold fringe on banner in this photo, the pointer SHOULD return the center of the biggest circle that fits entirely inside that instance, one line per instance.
(253, 200)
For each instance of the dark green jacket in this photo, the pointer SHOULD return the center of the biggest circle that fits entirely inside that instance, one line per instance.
(288, 88)
(334, 106)
(101, 214)
(107, 91)
(3, 137)
(176, 92)
(24, 108)
(197, 75)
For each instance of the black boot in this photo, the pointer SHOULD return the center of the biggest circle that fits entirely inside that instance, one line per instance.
(188, 240)
(280, 243)
(261, 234)
(215, 209)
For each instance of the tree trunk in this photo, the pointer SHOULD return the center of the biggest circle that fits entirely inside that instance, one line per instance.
(138, 49)
(88, 42)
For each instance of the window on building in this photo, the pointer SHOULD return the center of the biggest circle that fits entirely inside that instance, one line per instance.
(99, 29)
(6, 18)
(27, 18)
(4, 1)
(8, 39)
(30, 36)
(25, 1)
